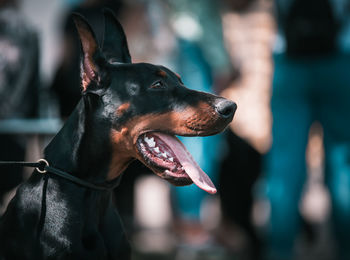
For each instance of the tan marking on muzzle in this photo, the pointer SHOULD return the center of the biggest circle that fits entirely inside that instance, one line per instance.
(203, 116)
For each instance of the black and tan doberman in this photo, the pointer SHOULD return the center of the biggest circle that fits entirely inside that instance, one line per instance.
(128, 111)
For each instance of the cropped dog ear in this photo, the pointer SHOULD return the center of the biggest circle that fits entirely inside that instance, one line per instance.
(92, 58)
(115, 46)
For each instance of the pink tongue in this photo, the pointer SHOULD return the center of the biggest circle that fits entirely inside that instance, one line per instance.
(191, 167)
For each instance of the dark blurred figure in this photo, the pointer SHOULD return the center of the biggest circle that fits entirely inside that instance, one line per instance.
(204, 65)
(19, 85)
(67, 79)
(238, 172)
(311, 83)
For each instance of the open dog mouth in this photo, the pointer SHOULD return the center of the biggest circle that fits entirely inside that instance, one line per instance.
(169, 158)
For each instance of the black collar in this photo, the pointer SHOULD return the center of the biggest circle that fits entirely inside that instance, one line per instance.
(42, 166)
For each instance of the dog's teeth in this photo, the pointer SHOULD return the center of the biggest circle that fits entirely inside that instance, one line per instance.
(164, 155)
(171, 159)
(150, 141)
(156, 149)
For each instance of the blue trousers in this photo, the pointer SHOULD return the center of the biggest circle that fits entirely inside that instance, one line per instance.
(305, 90)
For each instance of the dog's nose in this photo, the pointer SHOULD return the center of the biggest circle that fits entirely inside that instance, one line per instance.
(226, 108)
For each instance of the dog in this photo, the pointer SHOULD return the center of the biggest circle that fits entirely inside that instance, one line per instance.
(127, 111)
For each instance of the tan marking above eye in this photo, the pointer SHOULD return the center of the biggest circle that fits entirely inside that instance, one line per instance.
(162, 73)
(122, 109)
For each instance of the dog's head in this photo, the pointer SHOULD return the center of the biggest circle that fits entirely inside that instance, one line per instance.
(146, 106)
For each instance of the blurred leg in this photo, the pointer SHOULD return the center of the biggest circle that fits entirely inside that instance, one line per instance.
(334, 109)
(286, 170)
(338, 182)
(238, 172)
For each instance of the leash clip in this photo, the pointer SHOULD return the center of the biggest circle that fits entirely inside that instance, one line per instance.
(44, 164)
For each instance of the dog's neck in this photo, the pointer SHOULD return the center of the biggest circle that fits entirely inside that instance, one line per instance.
(82, 147)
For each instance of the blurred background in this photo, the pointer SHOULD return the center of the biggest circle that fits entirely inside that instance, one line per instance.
(282, 169)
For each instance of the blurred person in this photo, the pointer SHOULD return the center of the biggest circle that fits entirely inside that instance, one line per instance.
(311, 83)
(19, 86)
(204, 65)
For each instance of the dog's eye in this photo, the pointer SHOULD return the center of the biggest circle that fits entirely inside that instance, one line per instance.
(157, 85)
